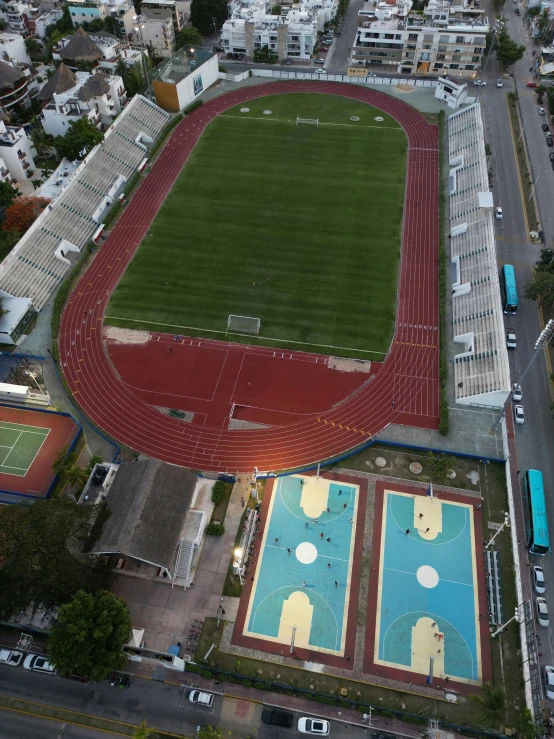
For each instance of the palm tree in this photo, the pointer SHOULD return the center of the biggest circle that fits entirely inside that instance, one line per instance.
(40, 140)
(36, 184)
(493, 705)
(143, 732)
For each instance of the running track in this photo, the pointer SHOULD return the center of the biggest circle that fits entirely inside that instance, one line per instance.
(410, 365)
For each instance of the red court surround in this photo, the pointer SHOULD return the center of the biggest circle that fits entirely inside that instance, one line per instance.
(405, 390)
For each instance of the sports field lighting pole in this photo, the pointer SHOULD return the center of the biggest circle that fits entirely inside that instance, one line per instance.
(506, 523)
(540, 343)
(515, 617)
(238, 563)
(140, 21)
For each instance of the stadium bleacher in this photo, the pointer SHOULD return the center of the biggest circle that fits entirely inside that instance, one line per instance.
(481, 370)
(32, 269)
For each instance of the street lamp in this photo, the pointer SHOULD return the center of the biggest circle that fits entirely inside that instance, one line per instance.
(139, 21)
(238, 563)
(33, 375)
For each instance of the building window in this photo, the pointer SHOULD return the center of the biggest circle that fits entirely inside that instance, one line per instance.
(428, 38)
(475, 59)
(441, 56)
(477, 50)
(454, 66)
(443, 39)
(439, 65)
(412, 37)
(460, 39)
(469, 66)
(389, 35)
(456, 57)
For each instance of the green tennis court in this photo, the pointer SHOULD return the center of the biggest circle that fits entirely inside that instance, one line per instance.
(19, 445)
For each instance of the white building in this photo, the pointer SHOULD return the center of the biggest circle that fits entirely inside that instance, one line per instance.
(73, 95)
(12, 48)
(444, 39)
(177, 8)
(102, 49)
(158, 30)
(46, 19)
(84, 11)
(20, 17)
(293, 34)
(17, 152)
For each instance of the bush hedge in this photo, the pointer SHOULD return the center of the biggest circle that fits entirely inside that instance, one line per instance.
(218, 491)
(215, 529)
(192, 107)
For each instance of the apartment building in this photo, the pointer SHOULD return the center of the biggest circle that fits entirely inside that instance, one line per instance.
(157, 29)
(46, 19)
(12, 48)
(101, 49)
(20, 17)
(122, 11)
(443, 39)
(17, 87)
(292, 34)
(72, 95)
(16, 153)
(176, 8)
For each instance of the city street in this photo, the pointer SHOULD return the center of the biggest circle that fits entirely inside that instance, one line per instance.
(17, 725)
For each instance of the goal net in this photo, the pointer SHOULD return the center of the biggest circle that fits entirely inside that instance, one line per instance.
(243, 325)
(307, 121)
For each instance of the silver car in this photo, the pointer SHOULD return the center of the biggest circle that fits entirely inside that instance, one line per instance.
(542, 612)
(538, 580)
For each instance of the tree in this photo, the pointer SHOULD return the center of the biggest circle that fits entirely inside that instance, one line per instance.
(111, 25)
(67, 468)
(2, 311)
(541, 282)
(8, 193)
(203, 12)
(34, 48)
(8, 239)
(188, 37)
(507, 51)
(493, 705)
(42, 141)
(23, 212)
(210, 732)
(3, 25)
(88, 635)
(143, 732)
(79, 140)
(36, 183)
(42, 563)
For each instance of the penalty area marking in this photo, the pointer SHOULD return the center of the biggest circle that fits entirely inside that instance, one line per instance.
(321, 123)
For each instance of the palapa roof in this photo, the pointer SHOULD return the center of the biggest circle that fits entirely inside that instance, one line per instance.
(94, 87)
(9, 76)
(63, 79)
(81, 48)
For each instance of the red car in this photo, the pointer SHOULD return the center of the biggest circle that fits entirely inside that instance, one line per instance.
(532, 84)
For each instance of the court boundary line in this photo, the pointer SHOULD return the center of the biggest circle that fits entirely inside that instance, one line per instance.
(3, 464)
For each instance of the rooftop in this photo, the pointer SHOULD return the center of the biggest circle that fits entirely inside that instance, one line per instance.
(53, 187)
(184, 62)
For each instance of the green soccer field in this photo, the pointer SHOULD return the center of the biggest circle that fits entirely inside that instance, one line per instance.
(298, 226)
(19, 445)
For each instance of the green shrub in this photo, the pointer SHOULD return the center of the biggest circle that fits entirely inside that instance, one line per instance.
(192, 107)
(326, 701)
(215, 529)
(205, 673)
(246, 683)
(192, 668)
(232, 680)
(218, 491)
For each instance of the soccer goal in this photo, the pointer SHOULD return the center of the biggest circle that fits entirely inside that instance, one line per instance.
(307, 121)
(243, 325)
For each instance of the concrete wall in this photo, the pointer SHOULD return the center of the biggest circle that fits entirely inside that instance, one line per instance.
(176, 97)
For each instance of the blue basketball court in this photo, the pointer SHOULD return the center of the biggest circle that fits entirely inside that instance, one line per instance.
(427, 618)
(301, 587)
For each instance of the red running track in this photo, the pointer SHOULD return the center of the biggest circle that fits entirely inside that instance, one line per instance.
(398, 392)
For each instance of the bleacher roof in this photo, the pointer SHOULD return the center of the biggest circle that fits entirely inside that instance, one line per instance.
(32, 269)
(481, 370)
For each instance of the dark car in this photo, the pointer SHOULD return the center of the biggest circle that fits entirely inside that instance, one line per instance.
(277, 718)
(551, 155)
(549, 141)
(545, 127)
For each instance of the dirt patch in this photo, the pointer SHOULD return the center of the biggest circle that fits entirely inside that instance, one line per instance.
(126, 335)
(405, 88)
(350, 365)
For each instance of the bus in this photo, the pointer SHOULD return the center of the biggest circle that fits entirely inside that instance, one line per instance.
(509, 291)
(537, 524)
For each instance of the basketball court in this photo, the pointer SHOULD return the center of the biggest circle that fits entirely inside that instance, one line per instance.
(305, 589)
(426, 601)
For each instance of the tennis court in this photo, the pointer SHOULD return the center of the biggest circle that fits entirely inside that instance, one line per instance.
(19, 445)
(301, 589)
(427, 615)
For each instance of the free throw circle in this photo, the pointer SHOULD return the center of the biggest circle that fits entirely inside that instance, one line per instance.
(306, 553)
(427, 576)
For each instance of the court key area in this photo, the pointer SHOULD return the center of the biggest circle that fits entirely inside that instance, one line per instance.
(19, 446)
(302, 585)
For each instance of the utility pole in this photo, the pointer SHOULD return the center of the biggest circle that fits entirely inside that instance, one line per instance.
(139, 21)
(515, 617)
(540, 343)
(506, 523)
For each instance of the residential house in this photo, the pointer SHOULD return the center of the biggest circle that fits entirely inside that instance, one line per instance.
(16, 152)
(123, 11)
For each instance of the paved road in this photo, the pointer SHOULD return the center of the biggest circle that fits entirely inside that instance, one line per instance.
(17, 725)
(534, 439)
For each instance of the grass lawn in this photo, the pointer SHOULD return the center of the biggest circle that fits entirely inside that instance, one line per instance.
(298, 226)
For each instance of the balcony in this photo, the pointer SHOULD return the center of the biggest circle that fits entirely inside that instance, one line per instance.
(4, 172)
(26, 165)
(21, 155)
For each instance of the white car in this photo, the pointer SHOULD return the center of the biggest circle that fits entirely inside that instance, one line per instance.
(499, 83)
(320, 71)
(319, 61)
(498, 214)
(542, 612)
(201, 698)
(38, 664)
(538, 580)
(511, 340)
(519, 415)
(541, 111)
(549, 681)
(9, 657)
(517, 393)
(478, 83)
(317, 726)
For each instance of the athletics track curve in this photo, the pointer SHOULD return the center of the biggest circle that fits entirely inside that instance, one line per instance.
(410, 365)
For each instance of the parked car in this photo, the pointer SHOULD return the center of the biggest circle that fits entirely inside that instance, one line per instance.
(9, 657)
(38, 664)
(546, 127)
(319, 61)
(519, 415)
(542, 612)
(511, 341)
(517, 11)
(288, 62)
(371, 74)
(327, 43)
(517, 393)
(538, 580)
(551, 156)
(320, 71)
(549, 681)
(479, 83)
(549, 141)
(276, 717)
(201, 698)
(498, 214)
(541, 111)
(317, 726)
(499, 83)
(532, 84)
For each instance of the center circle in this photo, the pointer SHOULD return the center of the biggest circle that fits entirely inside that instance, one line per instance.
(427, 576)
(306, 553)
